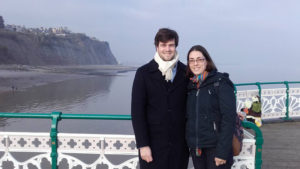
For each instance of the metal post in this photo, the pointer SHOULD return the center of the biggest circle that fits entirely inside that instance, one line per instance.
(287, 100)
(259, 89)
(235, 91)
(53, 134)
(259, 142)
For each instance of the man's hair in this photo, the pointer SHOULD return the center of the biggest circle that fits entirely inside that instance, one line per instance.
(164, 35)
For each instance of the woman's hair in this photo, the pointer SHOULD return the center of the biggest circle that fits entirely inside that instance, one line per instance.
(210, 63)
(164, 35)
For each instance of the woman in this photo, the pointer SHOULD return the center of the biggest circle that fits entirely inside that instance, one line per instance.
(211, 112)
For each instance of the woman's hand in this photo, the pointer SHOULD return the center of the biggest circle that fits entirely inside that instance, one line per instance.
(219, 161)
(146, 154)
(241, 115)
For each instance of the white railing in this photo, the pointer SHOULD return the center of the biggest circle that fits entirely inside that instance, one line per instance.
(104, 146)
(246, 159)
(273, 102)
(71, 145)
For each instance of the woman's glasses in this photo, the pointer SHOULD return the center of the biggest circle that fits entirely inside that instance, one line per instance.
(198, 60)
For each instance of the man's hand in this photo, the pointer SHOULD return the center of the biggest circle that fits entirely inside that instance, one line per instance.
(146, 154)
(219, 161)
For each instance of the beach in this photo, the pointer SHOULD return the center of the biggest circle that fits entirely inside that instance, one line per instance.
(20, 77)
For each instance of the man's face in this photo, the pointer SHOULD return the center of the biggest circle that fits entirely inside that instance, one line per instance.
(166, 50)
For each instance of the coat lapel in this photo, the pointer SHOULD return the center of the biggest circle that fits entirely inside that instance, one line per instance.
(156, 75)
(180, 76)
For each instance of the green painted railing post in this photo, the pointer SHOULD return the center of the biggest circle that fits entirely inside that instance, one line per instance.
(287, 117)
(53, 134)
(259, 89)
(259, 142)
(235, 91)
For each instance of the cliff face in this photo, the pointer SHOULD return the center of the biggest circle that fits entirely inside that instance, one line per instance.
(72, 49)
(1, 22)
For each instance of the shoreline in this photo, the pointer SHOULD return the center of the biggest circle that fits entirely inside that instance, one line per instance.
(20, 77)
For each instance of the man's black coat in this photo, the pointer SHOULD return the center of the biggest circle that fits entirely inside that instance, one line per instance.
(158, 112)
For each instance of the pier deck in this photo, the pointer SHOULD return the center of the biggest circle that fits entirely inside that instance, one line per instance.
(281, 148)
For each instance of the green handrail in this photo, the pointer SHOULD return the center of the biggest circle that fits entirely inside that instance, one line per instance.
(259, 89)
(258, 84)
(57, 116)
(67, 116)
(96, 116)
(259, 142)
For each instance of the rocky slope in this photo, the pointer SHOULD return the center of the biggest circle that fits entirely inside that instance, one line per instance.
(41, 49)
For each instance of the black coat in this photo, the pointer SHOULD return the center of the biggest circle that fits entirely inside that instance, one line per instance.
(211, 114)
(158, 111)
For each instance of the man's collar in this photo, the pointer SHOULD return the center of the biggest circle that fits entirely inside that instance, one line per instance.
(153, 66)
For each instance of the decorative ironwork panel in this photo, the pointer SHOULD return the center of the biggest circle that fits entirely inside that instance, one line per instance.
(116, 145)
(27, 142)
(246, 159)
(79, 143)
(294, 103)
(94, 144)
(273, 101)
(243, 163)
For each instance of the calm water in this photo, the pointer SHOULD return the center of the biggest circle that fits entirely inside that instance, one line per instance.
(90, 95)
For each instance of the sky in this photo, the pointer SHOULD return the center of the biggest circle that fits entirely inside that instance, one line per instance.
(253, 40)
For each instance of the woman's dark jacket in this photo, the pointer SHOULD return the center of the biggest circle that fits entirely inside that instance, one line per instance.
(158, 110)
(211, 112)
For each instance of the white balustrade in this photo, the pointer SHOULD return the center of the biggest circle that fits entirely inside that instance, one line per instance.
(273, 102)
(71, 145)
(273, 106)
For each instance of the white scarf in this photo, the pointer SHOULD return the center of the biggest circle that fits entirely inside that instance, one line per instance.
(166, 66)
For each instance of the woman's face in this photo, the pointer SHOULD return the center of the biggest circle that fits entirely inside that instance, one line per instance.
(197, 62)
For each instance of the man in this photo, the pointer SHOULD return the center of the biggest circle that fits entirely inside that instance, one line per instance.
(158, 107)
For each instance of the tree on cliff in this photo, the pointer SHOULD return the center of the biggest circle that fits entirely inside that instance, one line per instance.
(1, 22)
